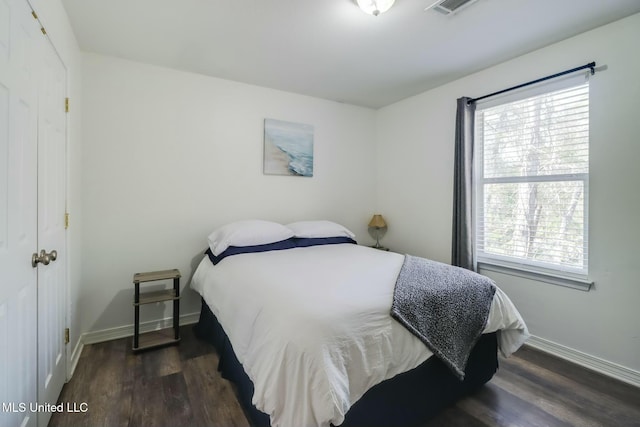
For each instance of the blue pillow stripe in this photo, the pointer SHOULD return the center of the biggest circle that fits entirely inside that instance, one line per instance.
(235, 250)
(302, 242)
(294, 242)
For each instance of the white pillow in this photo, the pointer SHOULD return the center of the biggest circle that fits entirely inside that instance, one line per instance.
(319, 229)
(247, 233)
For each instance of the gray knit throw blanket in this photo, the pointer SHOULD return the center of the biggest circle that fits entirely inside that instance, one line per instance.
(446, 307)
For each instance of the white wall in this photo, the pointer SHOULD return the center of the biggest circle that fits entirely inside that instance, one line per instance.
(169, 156)
(54, 18)
(415, 176)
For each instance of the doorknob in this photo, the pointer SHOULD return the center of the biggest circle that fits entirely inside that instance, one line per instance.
(44, 257)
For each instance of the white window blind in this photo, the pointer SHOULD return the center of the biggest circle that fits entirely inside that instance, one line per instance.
(532, 182)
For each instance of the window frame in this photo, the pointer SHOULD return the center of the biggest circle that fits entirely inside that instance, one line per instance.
(574, 277)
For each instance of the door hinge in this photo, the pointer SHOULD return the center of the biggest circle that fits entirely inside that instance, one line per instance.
(66, 335)
(66, 220)
(66, 105)
(35, 16)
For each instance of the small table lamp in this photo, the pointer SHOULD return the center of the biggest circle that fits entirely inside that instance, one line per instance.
(378, 223)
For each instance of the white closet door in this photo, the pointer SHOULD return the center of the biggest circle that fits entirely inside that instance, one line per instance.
(19, 38)
(51, 228)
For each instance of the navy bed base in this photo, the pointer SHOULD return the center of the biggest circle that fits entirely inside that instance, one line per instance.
(404, 400)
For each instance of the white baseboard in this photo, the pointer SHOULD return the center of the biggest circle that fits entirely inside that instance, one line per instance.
(94, 337)
(588, 361)
(75, 358)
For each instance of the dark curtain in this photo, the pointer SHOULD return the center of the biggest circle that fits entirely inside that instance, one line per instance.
(462, 246)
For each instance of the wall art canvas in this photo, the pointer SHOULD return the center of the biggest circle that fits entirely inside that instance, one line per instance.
(288, 148)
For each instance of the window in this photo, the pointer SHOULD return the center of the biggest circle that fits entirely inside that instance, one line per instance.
(532, 181)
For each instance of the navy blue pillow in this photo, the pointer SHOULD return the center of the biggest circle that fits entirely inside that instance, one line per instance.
(235, 250)
(303, 242)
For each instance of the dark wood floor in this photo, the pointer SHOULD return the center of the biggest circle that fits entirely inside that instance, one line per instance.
(180, 386)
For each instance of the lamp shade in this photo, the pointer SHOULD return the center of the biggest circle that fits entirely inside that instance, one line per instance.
(375, 7)
(377, 222)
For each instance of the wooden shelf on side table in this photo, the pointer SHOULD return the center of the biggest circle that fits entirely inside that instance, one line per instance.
(166, 336)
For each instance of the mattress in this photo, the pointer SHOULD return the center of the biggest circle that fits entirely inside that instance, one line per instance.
(408, 399)
(312, 330)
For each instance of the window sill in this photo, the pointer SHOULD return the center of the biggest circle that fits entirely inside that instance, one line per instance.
(582, 285)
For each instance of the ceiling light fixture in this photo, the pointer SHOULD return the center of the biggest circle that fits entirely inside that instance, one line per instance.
(375, 7)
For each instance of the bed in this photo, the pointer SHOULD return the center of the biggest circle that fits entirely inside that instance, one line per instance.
(300, 316)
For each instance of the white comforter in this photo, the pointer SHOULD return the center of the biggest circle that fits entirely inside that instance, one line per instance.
(312, 329)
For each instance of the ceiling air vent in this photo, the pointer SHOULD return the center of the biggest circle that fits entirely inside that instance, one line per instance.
(447, 7)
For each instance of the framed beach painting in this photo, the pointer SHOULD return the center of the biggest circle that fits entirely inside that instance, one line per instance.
(288, 148)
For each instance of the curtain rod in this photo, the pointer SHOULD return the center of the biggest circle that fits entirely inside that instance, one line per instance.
(590, 65)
